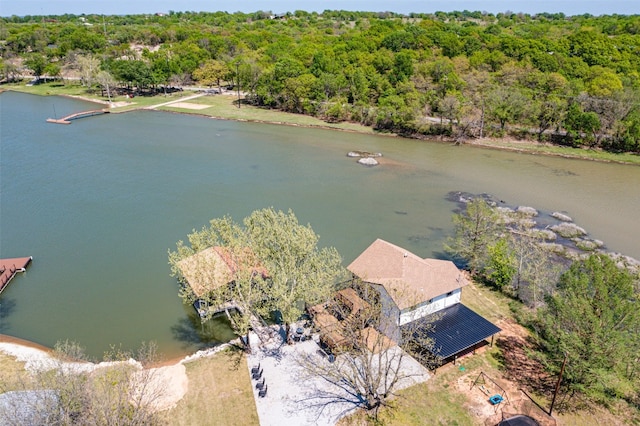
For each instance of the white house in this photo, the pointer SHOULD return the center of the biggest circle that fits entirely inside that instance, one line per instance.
(411, 289)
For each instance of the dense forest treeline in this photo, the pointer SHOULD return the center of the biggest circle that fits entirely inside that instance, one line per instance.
(572, 80)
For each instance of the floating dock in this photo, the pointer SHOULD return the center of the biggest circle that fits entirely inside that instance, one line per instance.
(10, 267)
(76, 115)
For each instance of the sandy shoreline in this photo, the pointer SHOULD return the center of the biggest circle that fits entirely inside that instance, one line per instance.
(24, 343)
(168, 378)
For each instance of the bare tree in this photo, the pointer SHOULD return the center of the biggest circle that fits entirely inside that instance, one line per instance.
(106, 81)
(88, 66)
(365, 368)
(69, 390)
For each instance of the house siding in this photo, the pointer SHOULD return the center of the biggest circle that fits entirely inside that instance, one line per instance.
(390, 314)
(428, 307)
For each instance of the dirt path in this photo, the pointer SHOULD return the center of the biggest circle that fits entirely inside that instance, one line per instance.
(187, 98)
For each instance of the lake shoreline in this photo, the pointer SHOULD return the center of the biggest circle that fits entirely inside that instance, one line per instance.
(504, 144)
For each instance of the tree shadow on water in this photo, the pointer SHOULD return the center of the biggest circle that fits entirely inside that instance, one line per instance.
(7, 307)
(195, 334)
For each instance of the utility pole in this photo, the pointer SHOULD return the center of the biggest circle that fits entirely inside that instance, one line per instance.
(555, 394)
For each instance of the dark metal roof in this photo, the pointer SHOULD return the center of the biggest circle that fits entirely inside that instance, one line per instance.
(457, 328)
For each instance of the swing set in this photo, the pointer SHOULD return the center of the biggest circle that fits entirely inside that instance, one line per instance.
(494, 398)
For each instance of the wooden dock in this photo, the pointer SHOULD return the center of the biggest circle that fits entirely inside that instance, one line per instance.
(77, 115)
(10, 267)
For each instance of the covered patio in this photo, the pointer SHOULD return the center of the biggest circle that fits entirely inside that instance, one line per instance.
(456, 330)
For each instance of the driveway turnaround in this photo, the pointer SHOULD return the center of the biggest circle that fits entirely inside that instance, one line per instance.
(290, 388)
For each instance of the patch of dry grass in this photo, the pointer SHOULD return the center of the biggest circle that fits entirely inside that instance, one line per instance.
(220, 393)
(12, 373)
(489, 303)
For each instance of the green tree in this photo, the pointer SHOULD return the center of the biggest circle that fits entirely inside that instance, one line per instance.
(241, 283)
(506, 105)
(581, 126)
(602, 82)
(548, 113)
(300, 273)
(277, 266)
(211, 72)
(296, 93)
(8, 71)
(36, 63)
(476, 229)
(501, 266)
(130, 72)
(593, 319)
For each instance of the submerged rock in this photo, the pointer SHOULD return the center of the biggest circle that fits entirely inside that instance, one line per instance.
(561, 216)
(586, 245)
(545, 234)
(568, 230)
(364, 154)
(527, 211)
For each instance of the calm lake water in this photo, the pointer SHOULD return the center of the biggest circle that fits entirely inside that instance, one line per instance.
(98, 204)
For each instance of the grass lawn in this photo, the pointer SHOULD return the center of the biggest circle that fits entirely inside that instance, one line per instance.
(426, 404)
(226, 106)
(220, 393)
(560, 151)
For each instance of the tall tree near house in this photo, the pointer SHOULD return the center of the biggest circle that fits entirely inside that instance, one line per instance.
(300, 273)
(501, 265)
(241, 283)
(593, 319)
(536, 273)
(476, 229)
(277, 266)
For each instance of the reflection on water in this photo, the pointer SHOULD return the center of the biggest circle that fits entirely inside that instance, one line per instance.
(99, 202)
(193, 333)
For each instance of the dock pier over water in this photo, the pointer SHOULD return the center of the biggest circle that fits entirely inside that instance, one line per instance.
(77, 115)
(10, 267)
